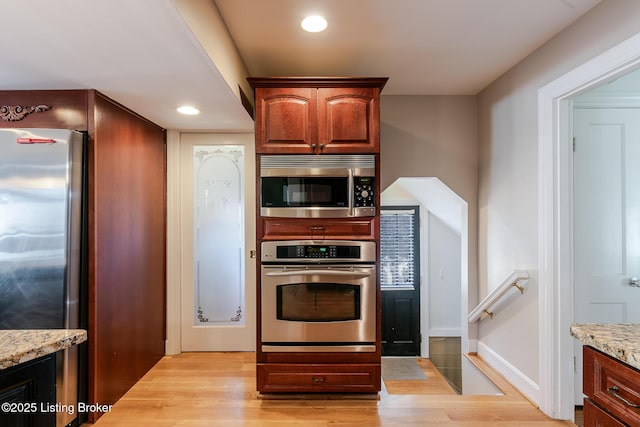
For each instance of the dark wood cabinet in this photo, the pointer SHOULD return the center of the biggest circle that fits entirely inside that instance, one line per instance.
(319, 378)
(126, 249)
(317, 116)
(348, 120)
(27, 392)
(123, 285)
(596, 417)
(318, 229)
(286, 120)
(612, 389)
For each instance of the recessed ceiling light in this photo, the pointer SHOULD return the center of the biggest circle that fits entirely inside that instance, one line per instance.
(189, 110)
(314, 24)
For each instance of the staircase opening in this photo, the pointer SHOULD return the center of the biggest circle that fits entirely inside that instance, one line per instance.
(443, 282)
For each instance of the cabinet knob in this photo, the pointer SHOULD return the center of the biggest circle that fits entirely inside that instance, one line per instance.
(634, 281)
(321, 147)
(313, 147)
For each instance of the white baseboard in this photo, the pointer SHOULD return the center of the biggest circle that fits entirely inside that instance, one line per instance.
(524, 384)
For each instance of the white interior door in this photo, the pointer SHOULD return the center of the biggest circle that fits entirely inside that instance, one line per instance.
(218, 272)
(606, 220)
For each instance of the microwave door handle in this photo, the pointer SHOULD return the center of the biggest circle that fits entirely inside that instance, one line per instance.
(312, 272)
(351, 191)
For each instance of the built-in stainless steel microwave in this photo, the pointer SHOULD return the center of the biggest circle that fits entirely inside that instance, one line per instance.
(326, 186)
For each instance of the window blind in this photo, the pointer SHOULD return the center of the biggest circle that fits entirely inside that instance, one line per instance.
(398, 240)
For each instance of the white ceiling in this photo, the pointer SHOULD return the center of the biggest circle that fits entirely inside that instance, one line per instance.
(142, 54)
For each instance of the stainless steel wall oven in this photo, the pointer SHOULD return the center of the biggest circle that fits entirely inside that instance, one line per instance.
(318, 297)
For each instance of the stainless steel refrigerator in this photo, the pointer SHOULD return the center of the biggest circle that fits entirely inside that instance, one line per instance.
(41, 177)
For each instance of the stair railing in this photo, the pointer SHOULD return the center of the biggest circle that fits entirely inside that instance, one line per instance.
(510, 283)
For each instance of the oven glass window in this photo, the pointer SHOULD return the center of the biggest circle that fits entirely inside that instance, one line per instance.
(283, 192)
(318, 302)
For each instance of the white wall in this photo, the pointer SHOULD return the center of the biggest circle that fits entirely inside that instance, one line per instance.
(444, 278)
(436, 136)
(508, 152)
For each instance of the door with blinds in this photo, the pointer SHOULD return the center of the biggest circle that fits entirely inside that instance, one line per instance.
(400, 280)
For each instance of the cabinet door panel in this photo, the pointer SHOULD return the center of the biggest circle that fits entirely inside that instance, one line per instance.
(612, 385)
(28, 388)
(596, 417)
(285, 120)
(348, 120)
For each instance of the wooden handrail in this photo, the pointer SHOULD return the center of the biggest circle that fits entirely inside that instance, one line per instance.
(490, 300)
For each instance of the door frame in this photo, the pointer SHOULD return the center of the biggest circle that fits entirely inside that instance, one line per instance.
(555, 220)
(173, 343)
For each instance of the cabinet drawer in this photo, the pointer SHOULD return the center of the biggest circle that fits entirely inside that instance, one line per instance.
(612, 385)
(318, 378)
(596, 417)
(318, 229)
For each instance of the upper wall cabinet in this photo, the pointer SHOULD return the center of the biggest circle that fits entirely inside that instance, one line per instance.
(286, 120)
(317, 115)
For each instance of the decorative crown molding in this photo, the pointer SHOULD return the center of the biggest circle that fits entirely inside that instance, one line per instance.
(15, 113)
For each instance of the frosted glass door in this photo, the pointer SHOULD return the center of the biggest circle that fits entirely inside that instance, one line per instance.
(217, 242)
(218, 227)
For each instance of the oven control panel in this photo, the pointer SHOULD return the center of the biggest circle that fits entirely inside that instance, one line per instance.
(301, 251)
(317, 251)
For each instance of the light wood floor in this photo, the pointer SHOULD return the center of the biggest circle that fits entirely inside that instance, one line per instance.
(218, 389)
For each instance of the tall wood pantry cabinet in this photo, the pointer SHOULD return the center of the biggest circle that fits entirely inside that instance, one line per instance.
(317, 116)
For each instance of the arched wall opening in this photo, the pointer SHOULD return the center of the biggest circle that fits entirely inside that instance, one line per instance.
(442, 208)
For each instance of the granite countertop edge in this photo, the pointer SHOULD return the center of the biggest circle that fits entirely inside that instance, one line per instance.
(618, 340)
(23, 345)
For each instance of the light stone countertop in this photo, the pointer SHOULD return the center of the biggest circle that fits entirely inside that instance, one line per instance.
(619, 340)
(19, 346)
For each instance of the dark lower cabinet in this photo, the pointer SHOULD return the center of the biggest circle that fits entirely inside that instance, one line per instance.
(612, 389)
(27, 391)
(318, 378)
(596, 417)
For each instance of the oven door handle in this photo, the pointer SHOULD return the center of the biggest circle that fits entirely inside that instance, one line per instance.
(318, 272)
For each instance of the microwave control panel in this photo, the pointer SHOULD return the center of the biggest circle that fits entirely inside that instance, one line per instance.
(364, 192)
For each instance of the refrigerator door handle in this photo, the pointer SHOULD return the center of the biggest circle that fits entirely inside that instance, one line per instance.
(35, 141)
